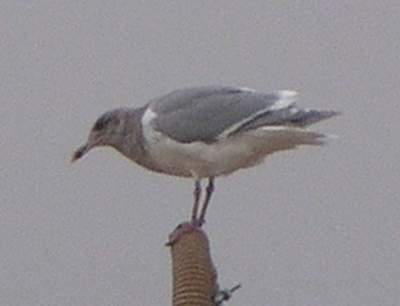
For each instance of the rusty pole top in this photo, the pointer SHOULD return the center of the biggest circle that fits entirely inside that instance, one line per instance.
(193, 272)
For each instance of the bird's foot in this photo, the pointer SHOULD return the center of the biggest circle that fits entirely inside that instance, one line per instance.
(197, 222)
(181, 230)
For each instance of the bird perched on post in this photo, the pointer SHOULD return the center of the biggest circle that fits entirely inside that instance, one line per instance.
(206, 132)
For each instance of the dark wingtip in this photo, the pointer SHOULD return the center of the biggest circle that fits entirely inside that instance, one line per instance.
(332, 113)
(307, 117)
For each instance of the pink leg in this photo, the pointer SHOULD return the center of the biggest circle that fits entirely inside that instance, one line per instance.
(196, 195)
(209, 190)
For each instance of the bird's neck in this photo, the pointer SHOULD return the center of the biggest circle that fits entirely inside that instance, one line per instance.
(132, 143)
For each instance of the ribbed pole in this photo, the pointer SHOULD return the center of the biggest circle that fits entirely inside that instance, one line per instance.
(194, 275)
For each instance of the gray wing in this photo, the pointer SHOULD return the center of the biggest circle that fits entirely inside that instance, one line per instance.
(204, 113)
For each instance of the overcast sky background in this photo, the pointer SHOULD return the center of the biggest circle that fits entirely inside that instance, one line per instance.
(320, 226)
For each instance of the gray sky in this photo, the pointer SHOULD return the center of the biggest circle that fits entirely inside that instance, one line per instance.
(324, 222)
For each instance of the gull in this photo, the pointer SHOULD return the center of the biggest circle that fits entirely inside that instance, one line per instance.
(206, 132)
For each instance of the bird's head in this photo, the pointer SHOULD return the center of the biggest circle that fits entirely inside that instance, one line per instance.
(105, 132)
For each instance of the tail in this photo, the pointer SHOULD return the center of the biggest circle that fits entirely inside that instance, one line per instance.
(304, 117)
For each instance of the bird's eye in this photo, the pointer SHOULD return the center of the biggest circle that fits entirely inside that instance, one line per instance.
(101, 122)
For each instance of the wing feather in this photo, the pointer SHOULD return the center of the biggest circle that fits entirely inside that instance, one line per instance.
(202, 114)
(210, 113)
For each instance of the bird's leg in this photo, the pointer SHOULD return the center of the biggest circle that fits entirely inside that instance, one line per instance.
(209, 191)
(196, 195)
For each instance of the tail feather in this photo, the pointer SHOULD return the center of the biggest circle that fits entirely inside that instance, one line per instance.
(306, 117)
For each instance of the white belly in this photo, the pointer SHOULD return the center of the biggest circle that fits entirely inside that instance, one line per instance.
(198, 159)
